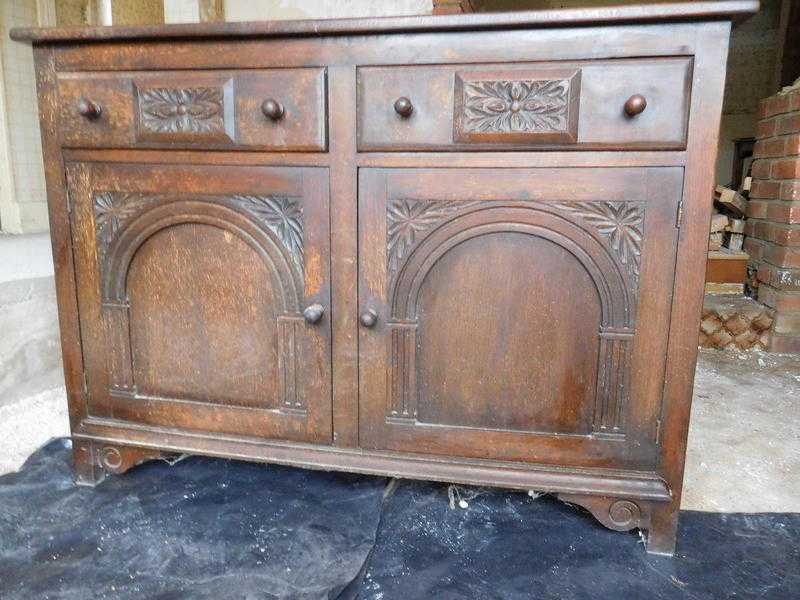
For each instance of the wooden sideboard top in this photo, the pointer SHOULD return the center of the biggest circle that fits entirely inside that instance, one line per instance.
(475, 21)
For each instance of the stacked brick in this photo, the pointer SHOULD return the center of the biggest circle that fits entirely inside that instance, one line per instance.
(773, 225)
(735, 323)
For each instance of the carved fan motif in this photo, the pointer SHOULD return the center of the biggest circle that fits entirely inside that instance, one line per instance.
(620, 223)
(190, 110)
(407, 218)
(283, 215)
(111, 211)
(516, 106)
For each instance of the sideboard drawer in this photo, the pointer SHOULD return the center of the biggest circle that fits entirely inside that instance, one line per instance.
(620, 104)
(280, 109)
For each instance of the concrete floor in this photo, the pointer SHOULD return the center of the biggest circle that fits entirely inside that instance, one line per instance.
(744, 441)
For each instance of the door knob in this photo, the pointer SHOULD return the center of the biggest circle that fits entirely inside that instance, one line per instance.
(403, 107)
(368, 318)
(313, 313)
(635, 105)
(89, 109)
(273, 109)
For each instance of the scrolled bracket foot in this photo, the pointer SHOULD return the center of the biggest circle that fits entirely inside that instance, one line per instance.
(657, 520)
(94, 460)
(614, 513)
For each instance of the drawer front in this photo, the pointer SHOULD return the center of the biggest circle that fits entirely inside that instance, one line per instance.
(469, 345)
(581, 105)
(281, 109)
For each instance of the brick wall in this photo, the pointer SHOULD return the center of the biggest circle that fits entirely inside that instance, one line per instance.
(773, 227)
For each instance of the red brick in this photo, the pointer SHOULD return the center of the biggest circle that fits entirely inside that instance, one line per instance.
(765, 189)
(766, 128)
(780, 301)
(781, 256)
(754, 247)
(777, 233)
(790, 190)
(783, 343)
(794, 100)
(792, 145)
(779, 278)
(763, 105)
(788, 124)
(786, 235)
(783, 212)
(774, 105)
(772, 147)
(788, 168)
(757, 209)
(761, 168)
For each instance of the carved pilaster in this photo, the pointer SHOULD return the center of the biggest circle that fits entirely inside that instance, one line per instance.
(613, 382)
(402, 372)
(289, 330)
(120, 368)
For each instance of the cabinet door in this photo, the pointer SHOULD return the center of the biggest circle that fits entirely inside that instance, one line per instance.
(193, 289)
(516, 314)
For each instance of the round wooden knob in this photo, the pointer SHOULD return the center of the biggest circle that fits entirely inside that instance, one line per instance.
(89, 109)
(635, 105)
(272, 109)
(368, 318)
(403, 107)
(313, 313)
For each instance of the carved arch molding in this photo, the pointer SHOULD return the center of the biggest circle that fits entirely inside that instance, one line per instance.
(605, 237)
(272, 225)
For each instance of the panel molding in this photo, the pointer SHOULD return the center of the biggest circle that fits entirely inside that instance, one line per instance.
(271, 224)
(420, 231)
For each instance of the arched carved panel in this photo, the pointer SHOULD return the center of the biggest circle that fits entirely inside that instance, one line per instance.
(124, 220)
(271, 225)
(618, 226)
(604, 237)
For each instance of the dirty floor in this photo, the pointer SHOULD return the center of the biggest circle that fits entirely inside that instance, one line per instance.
(744, 443)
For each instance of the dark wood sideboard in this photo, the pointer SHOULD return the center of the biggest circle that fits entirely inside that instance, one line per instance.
(429, 247)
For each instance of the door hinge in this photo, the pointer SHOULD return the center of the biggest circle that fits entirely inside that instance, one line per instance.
(69, 203)
(85, 384)
(679, 215)
(658, 432)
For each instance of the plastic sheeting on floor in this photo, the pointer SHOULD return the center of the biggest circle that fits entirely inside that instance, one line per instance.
(212, 528)
(202, 528)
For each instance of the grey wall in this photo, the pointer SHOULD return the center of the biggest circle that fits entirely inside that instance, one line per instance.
(30, 354)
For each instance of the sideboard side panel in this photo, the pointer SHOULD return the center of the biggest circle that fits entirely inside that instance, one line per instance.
(60, 236)
(704, 121)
